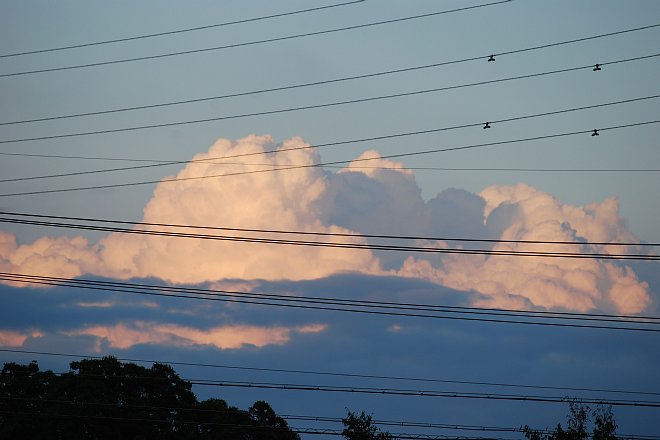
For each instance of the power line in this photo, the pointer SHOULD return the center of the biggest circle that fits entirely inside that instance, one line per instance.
(310, 84)
(626, 319)
(328, 144)
(342, 245)
(309, 304)
(310, 107)
(337, 374)
(458, 427)
(255, 42)
(353, 167)
(384, 168)
(179, 31)
(423, 393)
(160, 163)
(399, 155)
(312, 431)
(524, 170)
(329, 234)
(178, 410)
(385, 391)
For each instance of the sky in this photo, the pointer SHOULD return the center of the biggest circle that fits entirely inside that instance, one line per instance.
(562, 187)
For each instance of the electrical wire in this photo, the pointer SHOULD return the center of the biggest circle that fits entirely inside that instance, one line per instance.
(424, 393)
(343, 245)
(330, 234)
(255, 42)
(312, 431)
(179, 31)
(387, 391)
(309, 304)
(626, 319)
(352, 167)
(428, 425)
(311, 84)
(337, 374)
(318, 165)
(311, 107)
(335, 143)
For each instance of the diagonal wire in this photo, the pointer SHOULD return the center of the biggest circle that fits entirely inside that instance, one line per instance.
(250, 43)
(180, 31)
(319, 165)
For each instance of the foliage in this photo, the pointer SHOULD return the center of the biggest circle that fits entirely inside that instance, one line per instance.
(361, 427)
(106, 399)
(577, 425)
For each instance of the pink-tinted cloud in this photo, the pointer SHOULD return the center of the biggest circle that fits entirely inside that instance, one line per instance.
(62, 257)
(287, 200)
(355, 199)
(11, 338)
(124, 335)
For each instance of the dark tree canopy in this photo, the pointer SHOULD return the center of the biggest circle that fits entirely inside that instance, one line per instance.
(361, 427)
(580, 418)
(577, 425)
(107, 399)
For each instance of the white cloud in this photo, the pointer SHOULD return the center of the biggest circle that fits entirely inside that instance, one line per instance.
(287, 200)
(524, 213)
(360, 200)
(61, 257)
(370, 164)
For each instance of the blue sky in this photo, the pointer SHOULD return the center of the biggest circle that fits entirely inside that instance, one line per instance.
(541, 205)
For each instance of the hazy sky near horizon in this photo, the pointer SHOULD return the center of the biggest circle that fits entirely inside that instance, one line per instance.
(549, 189)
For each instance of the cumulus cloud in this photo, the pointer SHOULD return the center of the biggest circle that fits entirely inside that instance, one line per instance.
(123, 336)
(371, 164)
(524, 213)
(286, 200)
(63, 256)
(11, 338)
(359, 198)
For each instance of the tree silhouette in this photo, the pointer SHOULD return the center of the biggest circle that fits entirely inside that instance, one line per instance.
(103, 399)
(361, 427)
(577, 425)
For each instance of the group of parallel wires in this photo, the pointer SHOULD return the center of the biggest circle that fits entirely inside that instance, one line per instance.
(370, 242)
(323, 424)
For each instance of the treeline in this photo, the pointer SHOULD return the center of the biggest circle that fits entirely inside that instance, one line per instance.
(105, 399)
(102, 399)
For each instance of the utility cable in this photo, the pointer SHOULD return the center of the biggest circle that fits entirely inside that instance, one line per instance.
(424, 393)
(329, 234)
(304, 304)
(335, 143)
(319, 165)
(307, 107)
(625, 319)
(337, 374)
(383, 168)
(296, 86)
(373, 390)
(161, 163)
(312, 431)
(255, 42)
(179, 31)
(352, 168)
(342, 245)
(301, 418)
